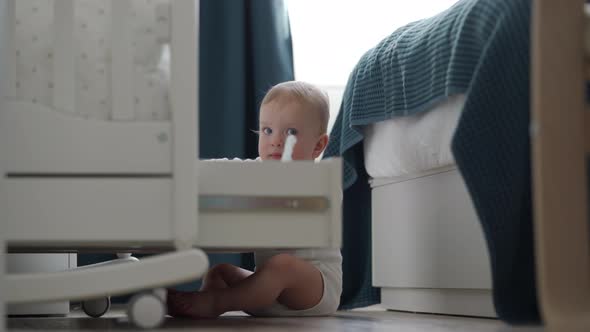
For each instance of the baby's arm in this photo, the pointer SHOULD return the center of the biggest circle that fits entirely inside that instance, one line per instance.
(287, 279)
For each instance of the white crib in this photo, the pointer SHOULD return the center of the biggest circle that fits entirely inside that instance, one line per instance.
(73, 184)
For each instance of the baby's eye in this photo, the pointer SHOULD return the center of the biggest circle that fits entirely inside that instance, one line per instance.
(266, 131)
(292, 131)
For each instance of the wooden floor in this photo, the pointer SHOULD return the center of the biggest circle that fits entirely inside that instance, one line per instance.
(369, 319)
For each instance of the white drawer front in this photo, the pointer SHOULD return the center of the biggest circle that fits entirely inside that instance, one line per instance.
(426, 235)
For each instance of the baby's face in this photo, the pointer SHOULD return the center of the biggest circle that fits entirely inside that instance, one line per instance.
(278, 119)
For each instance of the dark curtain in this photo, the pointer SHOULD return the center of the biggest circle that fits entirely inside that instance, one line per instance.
(357, 289)
(244, 49)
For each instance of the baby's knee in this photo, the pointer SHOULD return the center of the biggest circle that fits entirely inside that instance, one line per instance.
(284, 263)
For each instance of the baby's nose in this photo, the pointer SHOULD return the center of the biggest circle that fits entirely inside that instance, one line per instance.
(277, 141)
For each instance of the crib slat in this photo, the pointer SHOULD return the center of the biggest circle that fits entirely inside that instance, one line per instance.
(184, 95)
(64, 56)
(8, 58)
(122, 56)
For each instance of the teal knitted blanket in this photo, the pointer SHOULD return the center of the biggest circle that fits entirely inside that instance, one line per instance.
(406, 73)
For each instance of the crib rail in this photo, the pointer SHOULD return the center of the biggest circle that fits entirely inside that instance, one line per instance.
(560, 146)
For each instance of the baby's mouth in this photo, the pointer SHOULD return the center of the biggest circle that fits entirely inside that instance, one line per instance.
(275, 156)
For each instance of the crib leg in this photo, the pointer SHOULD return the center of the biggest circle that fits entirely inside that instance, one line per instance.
(559, 165)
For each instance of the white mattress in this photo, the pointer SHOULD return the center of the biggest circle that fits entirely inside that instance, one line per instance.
(404, 146)
(34, 56)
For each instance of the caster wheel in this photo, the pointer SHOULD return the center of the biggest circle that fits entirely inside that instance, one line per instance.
(161, 293)
(96, 307)
(146, 310)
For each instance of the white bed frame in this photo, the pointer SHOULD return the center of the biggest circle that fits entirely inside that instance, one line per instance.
(69, 184)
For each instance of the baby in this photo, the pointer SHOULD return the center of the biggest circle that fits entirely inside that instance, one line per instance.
(305, 282)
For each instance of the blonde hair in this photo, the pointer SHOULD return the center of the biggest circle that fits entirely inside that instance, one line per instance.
(305, 93)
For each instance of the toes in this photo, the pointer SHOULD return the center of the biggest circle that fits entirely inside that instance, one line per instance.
(189, 304)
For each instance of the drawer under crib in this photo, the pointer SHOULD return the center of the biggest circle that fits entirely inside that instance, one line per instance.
(241, 206)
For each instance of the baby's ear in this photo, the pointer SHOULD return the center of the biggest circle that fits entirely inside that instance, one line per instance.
(320, 145)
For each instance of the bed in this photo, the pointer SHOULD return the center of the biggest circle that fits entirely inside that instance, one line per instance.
(537, 267)
(402, 104)
(93, 159)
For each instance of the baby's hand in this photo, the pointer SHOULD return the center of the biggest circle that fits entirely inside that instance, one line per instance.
(289, 145)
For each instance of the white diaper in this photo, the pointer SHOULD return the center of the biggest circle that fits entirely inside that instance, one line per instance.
(329, 263)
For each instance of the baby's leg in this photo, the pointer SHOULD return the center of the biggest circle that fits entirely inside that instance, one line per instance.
(218, 277)
(303, 286)
(223, 276)
(287, 279)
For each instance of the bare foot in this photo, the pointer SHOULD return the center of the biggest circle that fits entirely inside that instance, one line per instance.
(191, 304)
